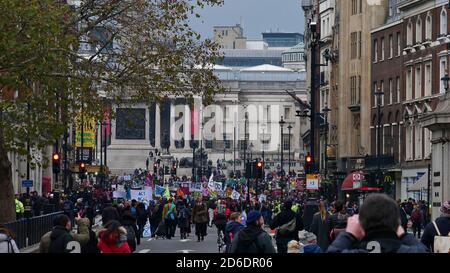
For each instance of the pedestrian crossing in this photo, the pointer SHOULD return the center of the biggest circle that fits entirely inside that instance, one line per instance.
(144, 251)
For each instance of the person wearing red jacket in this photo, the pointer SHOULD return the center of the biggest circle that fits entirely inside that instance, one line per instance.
(113, 238)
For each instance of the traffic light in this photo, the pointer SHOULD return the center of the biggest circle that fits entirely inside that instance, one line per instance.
(308, 164)
(259, 169)
(82, 170)
(166, 170)
(56, 159)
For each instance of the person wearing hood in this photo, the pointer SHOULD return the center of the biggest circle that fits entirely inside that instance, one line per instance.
(7, 243)
(113, 238)
(377, 229)
(253, 239)
(82, 235)
(288, 224)
(441, 226)
(60, 235)
(128, 221)
(232, 228)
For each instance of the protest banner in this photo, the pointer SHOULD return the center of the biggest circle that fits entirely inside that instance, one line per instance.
(119, 194)
(142, 195)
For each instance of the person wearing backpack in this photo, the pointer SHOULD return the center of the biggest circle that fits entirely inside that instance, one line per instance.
(7, 243)
(436, 234)
(129, 223)
(168, 216)
(417, 220)
(287, 224)
(184, 217)
(231, 229)
(376, 229)
(253, 239)
(338, 221)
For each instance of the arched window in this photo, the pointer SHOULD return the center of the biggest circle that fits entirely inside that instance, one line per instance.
(409, 35)
(419, 30)
(443, 23)
(428, 27)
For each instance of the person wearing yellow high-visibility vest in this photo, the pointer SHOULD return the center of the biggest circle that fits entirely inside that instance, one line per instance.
(19, 208)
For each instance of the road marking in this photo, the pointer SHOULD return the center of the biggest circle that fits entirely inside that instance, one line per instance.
(149, 239)
(185, 240)
(144, 251)
(184, 251)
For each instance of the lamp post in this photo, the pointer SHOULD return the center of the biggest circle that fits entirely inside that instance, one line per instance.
(379, 93)
(282, 123)
(325, 111)
(250, 149)
(289, 156)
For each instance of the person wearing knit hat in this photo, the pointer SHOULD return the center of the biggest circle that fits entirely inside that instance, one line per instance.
(253, 239)
(442, 224)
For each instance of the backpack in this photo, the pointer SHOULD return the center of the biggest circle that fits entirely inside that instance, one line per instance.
(133, 211)
(287, 228)
(170, 213)
(441, 243)
(182, 214)
(416, 216)
(251, 248)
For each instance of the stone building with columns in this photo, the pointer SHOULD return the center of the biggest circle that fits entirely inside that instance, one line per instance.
(171, 123)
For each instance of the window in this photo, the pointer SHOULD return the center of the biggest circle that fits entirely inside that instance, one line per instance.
(391, 46)
(428, 79)
(390, 92)
(442, 71)
(399, 43)
(419, 30)
(409, 142)
(427, 141)
(409, 84)
(354, 7)
(382, 90)
(398, 89)
(287, 113)
(353, 45)
(399, 142)
(382, 49)
(428, 28)
(375, 51)
(443, 23)
(418, 142)
(375, 89)
(286, 138)
(418, 83)
(359, 44)
(354, 90)
(409, 34)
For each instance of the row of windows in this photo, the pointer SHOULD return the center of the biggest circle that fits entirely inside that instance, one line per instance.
(293, 57)
(428, 24)
(420, 77)
(391, 93)
(391, 140)
(418, 142)
(379, 50)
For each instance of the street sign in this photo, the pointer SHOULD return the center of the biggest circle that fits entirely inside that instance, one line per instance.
(88, 131)
(312, 181)
(27, 183)
(84, 155)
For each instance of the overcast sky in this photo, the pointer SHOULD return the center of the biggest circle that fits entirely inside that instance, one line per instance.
(256, 16)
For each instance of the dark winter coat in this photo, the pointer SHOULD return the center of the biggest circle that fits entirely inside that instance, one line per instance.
(129, 223)
(320, 228)
(59, 238)
(285, 216)
(443, 224)
(231, 229)
(252, 239)
(184, 217)
(388, 241)
(200, 214)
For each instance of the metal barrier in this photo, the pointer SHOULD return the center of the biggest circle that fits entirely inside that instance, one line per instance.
(29, 231)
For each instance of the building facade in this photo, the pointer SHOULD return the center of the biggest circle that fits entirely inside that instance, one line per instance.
(220, 129)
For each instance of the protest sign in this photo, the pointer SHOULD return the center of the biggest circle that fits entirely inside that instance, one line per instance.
(119, 194)
(142, 195)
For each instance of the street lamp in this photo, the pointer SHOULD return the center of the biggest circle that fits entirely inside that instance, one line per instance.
(325, 111)
(263, 127)
(282, 123)
(379, 94)
(289, 160)
(446, 80)
(250, 149)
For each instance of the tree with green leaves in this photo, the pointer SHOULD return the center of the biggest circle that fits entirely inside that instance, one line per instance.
(60, 57)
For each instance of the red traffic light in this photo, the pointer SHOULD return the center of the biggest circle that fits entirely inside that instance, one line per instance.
(259, 164)
(56, 157)
(82, 165)
(308, 159)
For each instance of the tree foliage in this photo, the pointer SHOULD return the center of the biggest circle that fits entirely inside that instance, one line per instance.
(58, 57)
